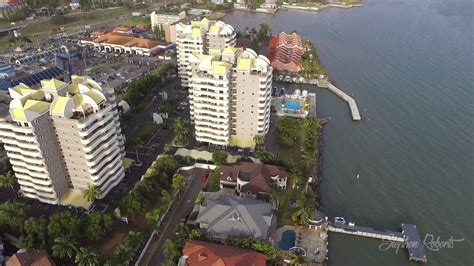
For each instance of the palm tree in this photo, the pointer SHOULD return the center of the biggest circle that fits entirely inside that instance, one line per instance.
(167, 148)
(7, 180)
(135, 239)
(305, 204)
(64, 246)
(123, 254)
(181, 129)
(92, 193)
(275, 194)
(170, 250)
(86, 257)
(259, 140)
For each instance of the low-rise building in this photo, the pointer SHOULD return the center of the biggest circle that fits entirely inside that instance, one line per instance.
(6, 71)
(200, 253)
(252, 179)
(224, 215)
(122, 30)
(124, 43)
(30, 258)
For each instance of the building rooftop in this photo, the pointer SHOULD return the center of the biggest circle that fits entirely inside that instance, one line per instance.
(82, 95)
(32, 258)
(200, 253)
(124, 39)
(236, 216)
(258, 176)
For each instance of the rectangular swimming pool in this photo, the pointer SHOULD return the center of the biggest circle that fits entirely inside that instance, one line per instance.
(292, 105)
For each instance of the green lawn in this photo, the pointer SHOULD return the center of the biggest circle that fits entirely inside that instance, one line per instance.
(145, 131)
(142, 20)
(294, 151)
(285, 211)
(213, 182)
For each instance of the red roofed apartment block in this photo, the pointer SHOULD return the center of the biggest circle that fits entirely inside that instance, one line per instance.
(285, 51)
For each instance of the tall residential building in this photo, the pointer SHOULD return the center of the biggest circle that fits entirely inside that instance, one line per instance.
(62, 137)
(167, 23)
(200, 37)
(158, 19)
(230, 96)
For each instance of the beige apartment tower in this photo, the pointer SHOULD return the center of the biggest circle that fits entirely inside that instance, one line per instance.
(199, 37)
(63, 137)
(230, 95)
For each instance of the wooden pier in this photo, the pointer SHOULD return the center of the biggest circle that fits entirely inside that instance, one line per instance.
(409, 237)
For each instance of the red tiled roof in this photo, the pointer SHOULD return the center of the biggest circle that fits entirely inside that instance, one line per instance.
(200, 253)
(124, 39)
(285, 51)
(33, 258)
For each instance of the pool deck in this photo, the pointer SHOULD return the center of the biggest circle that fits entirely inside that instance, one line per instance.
(314, 242)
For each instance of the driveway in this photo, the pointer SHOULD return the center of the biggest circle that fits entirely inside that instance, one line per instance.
(180, 210)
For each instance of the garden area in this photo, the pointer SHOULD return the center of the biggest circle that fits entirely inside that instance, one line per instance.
(97, 238)
(68, 237)
(297, 152)
(143, 133)
(309, 61)
(144, 88)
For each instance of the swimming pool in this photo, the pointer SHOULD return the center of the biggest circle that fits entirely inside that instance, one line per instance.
(287, 240)
(292, 105)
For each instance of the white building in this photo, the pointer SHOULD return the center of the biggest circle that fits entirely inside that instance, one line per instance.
(117, 42)
(230, 96)
(199, 37)
(162, 19)
(62, 138)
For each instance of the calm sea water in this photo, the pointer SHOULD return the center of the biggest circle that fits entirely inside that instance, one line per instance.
(409, 65)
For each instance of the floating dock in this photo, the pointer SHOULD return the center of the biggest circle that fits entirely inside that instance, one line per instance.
(323, 83)
(409, 237)
(413, 243)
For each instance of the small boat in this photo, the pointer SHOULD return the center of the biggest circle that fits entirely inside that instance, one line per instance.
(339, 220)
(357, 176)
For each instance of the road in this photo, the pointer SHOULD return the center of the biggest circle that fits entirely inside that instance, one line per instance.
(134, 173)
(180, 210)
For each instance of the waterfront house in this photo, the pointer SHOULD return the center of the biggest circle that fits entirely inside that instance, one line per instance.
(252, 179)
(197, 253)
(224, 215)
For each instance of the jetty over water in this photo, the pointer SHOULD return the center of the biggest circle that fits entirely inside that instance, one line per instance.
(409, 237)
(322, 83)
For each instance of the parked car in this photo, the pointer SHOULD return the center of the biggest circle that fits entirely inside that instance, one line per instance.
(204, 177)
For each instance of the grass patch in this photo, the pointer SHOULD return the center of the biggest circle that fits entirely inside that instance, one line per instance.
(73, 21)
(168, 106)
(285, 211)
(293, 152)
(140, 20)
(144, 132)
(213, 181)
